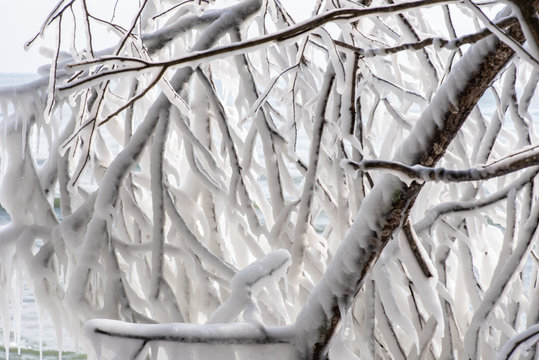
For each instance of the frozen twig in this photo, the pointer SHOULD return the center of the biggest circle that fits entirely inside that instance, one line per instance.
(158, 204)
(526, 338)
(300, 235)
(438, 42)
(457, 206)
(247, 282)
(422, 173)
(196, 57)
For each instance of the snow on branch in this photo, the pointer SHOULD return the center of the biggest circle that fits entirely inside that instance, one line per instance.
(386, 205)
(525, 339)
(422, 173)
(130, 340)
(437, 42)
(231, 333)
(134, 192)
(501, 283)
(219, 329)
(196, 57)
(247, 283)
(457, 206)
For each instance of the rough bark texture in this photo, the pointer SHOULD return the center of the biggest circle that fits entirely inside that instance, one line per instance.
(316, 346)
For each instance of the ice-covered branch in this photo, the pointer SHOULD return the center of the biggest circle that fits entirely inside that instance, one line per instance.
(206, 256)
(247, 282)
(198, 56)
(456, 206)
(526, 339)
(245, 285)
(148, 188)
(529, 21)
(116, 172)
(300, 232)
(385, 206)
(422, 173)
(231, 333)
(437, 42)
(158, 204)
(515, 45)
(499, 285)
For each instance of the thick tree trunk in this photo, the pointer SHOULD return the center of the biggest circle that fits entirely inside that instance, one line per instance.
(389, 202)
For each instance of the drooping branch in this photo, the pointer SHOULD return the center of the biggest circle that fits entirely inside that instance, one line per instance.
(499, 285)
(108, 195)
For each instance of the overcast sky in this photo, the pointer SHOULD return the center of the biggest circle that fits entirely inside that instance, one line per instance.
(20, 20)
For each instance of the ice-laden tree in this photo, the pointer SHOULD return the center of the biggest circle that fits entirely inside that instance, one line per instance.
(226, 182)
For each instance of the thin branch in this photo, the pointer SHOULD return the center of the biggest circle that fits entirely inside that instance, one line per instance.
(512, 43)
(157, 150)
(458, 206)
(413, 241)
(55, 13)
(495, 292)
(423, 173)
(433, 41)
(241, 47)
(134, 99)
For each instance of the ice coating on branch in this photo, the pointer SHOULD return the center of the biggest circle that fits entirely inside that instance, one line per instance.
(246, 284)
(426, 286)
(356, 250)
(500, 284)
(389, 298)
(524, 340)
(124, 341)
(444, 101)
(234, 166)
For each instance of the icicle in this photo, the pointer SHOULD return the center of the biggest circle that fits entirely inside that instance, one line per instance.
(335, 60)
(389, 300)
